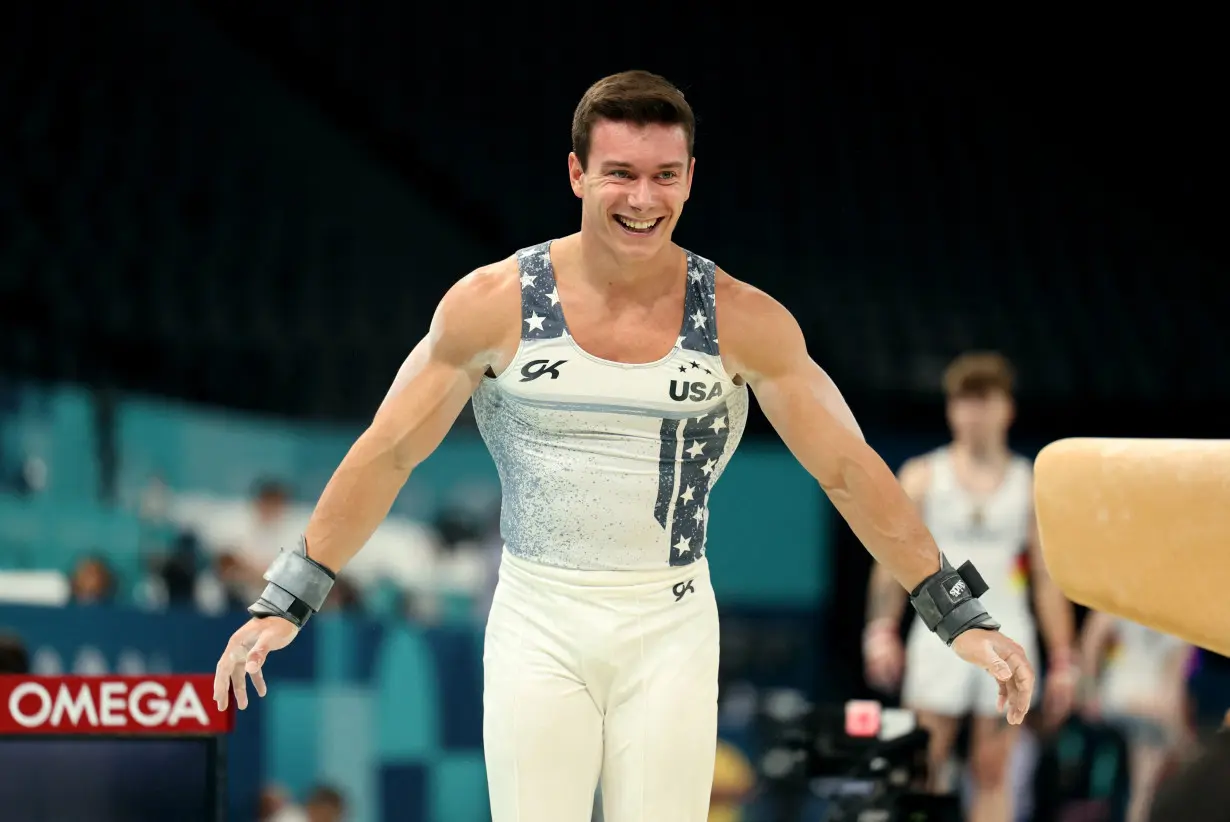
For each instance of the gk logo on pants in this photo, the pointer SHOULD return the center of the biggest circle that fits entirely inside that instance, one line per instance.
(682, 588)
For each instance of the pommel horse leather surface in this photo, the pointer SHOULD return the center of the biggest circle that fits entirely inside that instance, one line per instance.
(1140, 528)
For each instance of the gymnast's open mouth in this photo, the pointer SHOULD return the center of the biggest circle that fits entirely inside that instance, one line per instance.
(638, 227)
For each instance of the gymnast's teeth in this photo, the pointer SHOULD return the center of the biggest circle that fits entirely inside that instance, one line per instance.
(639, 225)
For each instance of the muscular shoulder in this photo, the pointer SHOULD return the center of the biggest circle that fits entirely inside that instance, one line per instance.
(915, 476)
(759, 336)
(478, 321)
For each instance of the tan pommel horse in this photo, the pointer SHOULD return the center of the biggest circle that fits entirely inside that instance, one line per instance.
(1140, 528)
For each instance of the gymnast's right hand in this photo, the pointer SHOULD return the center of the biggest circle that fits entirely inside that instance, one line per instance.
(883, 655)
(245, 656)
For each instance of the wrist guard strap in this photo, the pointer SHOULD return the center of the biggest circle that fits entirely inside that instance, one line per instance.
(948, 601)
(298, 586)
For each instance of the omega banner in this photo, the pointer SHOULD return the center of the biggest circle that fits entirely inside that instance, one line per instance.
(112, 705)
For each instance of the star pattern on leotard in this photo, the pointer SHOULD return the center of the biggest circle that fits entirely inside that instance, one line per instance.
(699, 307)
(702, 442)
(541, 315)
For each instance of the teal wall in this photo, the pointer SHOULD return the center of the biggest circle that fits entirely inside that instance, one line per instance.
(769, 525)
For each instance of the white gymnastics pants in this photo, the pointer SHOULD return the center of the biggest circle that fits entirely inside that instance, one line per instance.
(600, 675)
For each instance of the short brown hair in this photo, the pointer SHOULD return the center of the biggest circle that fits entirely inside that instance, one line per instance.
(978, 373)
(638, 97)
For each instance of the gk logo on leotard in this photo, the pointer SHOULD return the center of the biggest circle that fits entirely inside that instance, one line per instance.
(682, 588)
(534, 369)
(694, 391)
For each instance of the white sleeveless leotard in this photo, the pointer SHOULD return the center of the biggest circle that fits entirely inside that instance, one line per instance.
(992, 532)
(604, 465)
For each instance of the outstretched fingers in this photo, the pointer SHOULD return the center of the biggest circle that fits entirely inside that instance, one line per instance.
(224, 676)
(244, 658)
(239, 682)
(1017, 688)
(229, 675)
(254, 664)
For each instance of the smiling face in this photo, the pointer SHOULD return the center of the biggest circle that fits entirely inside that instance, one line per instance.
(633, 186)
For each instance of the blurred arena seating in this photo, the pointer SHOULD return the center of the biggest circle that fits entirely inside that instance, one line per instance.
(181, 470)
(219, 242)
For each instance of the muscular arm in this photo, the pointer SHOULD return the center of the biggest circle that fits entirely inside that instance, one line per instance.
(886, 599)
(474, 328)
(765, 346)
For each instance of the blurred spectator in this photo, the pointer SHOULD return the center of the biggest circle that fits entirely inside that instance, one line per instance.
(180, 578)
(253, 538)
(275, 805)
(325, 804)
(14, 658)
(1140, 690)
(92, 582)
(178, 569)
(734, 780)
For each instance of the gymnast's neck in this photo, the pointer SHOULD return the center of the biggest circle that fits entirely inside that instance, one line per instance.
(982, 454)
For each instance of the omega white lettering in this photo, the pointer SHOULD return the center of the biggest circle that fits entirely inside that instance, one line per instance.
(112, 704)
(44, 705)
(74, 709)
(147, 704)
(157, 704)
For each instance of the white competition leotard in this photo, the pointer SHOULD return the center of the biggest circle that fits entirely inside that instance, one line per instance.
(605, 465)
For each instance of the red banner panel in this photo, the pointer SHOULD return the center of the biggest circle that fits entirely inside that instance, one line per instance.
(112, 705)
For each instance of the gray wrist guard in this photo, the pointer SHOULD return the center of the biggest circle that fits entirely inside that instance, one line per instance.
(948, 601)
(298, 586)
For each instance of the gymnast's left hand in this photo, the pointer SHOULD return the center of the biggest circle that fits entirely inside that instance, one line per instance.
(1005, 660)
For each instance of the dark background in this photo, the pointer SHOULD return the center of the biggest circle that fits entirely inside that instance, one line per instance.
(257, 206)
(909, 186)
